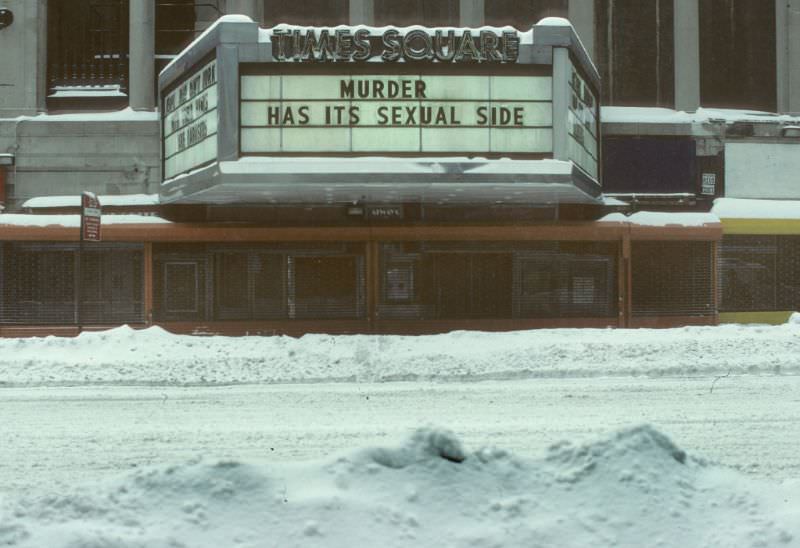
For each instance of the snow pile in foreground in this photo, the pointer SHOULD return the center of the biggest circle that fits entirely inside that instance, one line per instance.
(634, 488)
(156, 357)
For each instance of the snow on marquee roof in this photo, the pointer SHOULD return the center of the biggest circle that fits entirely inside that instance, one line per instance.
(733, 208)
(656, 115)
(123, 200)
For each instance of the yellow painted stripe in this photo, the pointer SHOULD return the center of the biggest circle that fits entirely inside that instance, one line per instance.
(761, 226)
(773, 318)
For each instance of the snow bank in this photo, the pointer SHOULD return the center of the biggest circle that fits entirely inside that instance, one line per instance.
(633, 488)
(156, 357)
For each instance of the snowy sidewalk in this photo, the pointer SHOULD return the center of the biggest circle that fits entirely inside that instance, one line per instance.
(155, 357)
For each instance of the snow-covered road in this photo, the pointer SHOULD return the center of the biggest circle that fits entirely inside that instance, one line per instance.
(53, 436)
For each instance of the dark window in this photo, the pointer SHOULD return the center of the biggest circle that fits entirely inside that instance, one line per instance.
(319, 13)
(269, 296)
(469, 285)
(648, 165)
(175, 24)
(325, 287)
(232, 286)
(737, 54)
(249, 285)
(87, 45)
(39, 284)
(566, 285)
(672, 278)
(503, 280)
(182, 288)
(112, 289)
(759, 273)
(522, 14)
(180, 291)
(431, 13)
(634, 52)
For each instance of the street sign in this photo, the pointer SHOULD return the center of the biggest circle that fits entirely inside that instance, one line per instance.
(90, 217)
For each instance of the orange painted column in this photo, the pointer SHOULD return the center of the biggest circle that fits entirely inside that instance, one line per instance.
(625, 280)
(148, 283)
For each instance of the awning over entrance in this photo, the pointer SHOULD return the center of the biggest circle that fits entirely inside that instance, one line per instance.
(330, 180)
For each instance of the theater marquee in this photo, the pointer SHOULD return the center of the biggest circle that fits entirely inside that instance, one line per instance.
(426, 115)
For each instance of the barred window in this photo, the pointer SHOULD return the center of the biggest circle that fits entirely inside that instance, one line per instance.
(432, 13)
(463, 280)
(276, 281)
(759, 273)
(39, 284)
(522, 14)
(672, 278)
(318, 13)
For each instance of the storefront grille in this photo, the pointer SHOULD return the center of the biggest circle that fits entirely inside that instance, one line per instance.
(672, 278)
(40, 284)
(271, 282)
(759, 273)
(436, 280)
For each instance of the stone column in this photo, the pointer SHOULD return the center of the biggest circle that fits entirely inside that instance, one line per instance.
(581, 15)
(471, 13)
(687, 54)
(251, 8)
(787, 43)
(141, 85)
(362, 12)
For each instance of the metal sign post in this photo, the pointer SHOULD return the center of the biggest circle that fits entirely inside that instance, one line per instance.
(90, 231)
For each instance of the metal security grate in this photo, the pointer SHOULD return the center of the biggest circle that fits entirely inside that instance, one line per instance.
(276, 281)
(759, 273)
(672, 278)
(436, 280)
(40, 284)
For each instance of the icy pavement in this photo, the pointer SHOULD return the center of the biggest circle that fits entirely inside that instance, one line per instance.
(632, 488)
(155, 357)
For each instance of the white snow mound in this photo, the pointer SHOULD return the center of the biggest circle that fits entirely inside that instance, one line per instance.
(154, 356)
(633, 488)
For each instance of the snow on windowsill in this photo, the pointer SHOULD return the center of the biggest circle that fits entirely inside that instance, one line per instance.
(658, 115)
(737, 208)
(663, 219)
(74, 221)
(122, 200)
(124, 115)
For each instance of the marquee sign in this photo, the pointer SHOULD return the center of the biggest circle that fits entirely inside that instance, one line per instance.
(189, 122)
(443, 45)
(379, 113)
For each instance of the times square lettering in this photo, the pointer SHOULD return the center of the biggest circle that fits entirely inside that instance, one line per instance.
(400, 115)
(344, 45)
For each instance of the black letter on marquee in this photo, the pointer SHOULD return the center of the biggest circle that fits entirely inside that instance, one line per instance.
(391, 44)
(361, 43)
(489, 46)
(439, 48)
(510, 46)
(346, 89)
(419, 51)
